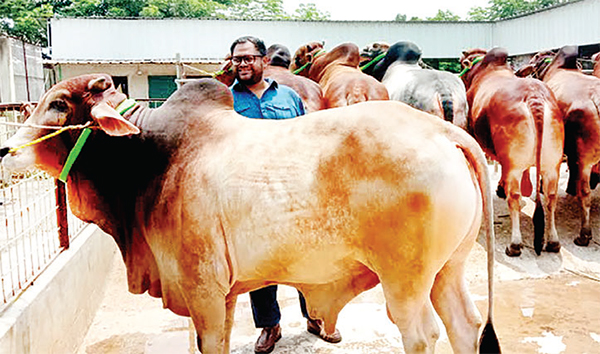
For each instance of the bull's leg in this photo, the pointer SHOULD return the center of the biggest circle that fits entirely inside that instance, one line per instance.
(550, 187)
(413, 314)
(231, 300)
(585, 200)
(208, 311)
(451, 300)
(513, 198)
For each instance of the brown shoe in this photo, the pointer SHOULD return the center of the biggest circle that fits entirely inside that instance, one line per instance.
(316, 327)
(266, 341)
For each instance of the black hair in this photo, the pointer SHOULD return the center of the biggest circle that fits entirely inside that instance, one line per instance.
(279, 55)
(258, 43)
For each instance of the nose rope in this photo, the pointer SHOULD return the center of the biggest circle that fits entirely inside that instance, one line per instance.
(47, 136)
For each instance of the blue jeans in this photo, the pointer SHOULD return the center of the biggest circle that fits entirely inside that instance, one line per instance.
(265, 308)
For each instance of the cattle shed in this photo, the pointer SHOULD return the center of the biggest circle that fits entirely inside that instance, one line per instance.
(145, 55)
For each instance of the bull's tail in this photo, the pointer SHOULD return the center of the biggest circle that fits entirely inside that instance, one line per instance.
(488, 342)
(537, 107)
(446, 106)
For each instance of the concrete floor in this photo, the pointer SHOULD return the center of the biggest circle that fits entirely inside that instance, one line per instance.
(548, 305)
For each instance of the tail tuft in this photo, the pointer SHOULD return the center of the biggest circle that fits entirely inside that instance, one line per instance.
(488, 344)
(538, 227)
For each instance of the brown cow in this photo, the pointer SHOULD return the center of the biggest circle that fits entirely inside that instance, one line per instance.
(518, 123)
(278, 69)
(279, 61)
(206, 204)
(578, 96)
(338, 74)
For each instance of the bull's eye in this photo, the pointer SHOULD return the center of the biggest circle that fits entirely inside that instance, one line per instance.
(59, 105)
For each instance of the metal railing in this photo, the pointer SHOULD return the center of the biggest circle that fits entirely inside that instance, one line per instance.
(36, 225)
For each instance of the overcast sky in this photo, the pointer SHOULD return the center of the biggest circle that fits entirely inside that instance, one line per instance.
(386, 10)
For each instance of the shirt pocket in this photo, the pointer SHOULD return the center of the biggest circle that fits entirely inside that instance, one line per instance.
(277, 111)
(243, 109)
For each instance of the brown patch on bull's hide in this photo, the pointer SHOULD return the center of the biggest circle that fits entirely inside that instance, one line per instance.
(362, 193)
(483, 134)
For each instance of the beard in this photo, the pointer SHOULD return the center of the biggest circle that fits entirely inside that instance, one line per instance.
(249, 77)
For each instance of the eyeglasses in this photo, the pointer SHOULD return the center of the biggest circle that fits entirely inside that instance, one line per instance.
(248, 59)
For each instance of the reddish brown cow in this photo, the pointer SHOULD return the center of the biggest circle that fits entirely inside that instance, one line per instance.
(308, 90)
(278, 69)
(338, 74)
(518, 123)
(578, 96)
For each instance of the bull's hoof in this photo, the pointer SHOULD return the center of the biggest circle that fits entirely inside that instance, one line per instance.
(552, 246)
(500, 192)
(585, 236)
(514, 250)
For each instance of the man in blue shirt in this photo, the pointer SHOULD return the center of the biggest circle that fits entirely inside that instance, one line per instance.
(257, 97)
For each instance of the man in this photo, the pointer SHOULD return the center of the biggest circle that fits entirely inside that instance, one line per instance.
(257, 97)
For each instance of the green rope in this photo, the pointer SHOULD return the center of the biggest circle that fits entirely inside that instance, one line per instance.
(373, 61)
(467, 68)
(299, 70)
(75, 151)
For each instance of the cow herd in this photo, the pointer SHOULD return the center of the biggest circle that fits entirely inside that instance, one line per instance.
(205, 204)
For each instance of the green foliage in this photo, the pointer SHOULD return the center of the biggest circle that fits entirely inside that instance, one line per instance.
(444, 16)
(25, 19)
(309, 12)
(400, 18)
(501, 9)
(257, 10)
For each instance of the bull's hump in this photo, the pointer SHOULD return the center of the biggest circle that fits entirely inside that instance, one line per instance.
(205, 92)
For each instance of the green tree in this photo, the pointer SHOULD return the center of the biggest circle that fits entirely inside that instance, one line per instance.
(477, 13)
(400, 18)
(444, 16)
(310, 12)
(501, 9)
(257, 10)
(25, 19)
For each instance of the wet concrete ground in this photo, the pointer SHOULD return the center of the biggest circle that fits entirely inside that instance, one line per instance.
(548, 304)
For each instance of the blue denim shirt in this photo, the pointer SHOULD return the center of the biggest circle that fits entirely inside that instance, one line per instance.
(277, 102)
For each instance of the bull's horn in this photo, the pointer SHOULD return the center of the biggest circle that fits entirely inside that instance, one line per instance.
(98, 84)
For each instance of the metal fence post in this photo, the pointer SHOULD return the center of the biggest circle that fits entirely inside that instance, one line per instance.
(61, 214)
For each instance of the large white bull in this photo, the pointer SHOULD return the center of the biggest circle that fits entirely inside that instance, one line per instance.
(206, 204)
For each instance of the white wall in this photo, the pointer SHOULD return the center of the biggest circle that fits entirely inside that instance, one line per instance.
(161, 39)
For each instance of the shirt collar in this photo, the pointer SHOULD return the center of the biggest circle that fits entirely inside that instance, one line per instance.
(237, 86)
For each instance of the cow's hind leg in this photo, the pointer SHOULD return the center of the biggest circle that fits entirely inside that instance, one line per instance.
(585, 201)
(452, 301)
(513, 198)
(412, 313)
(550, 187)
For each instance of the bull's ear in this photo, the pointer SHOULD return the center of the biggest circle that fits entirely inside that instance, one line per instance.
(99, 84)
(525, 70)
(111, 121)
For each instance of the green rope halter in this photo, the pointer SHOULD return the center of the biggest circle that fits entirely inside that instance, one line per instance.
(467, 68)
(299, 70)
(73, 154)
(373, 61)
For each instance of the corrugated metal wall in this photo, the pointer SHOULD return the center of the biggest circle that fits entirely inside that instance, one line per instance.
(145, 39)
(573, 23)
(210, 39)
